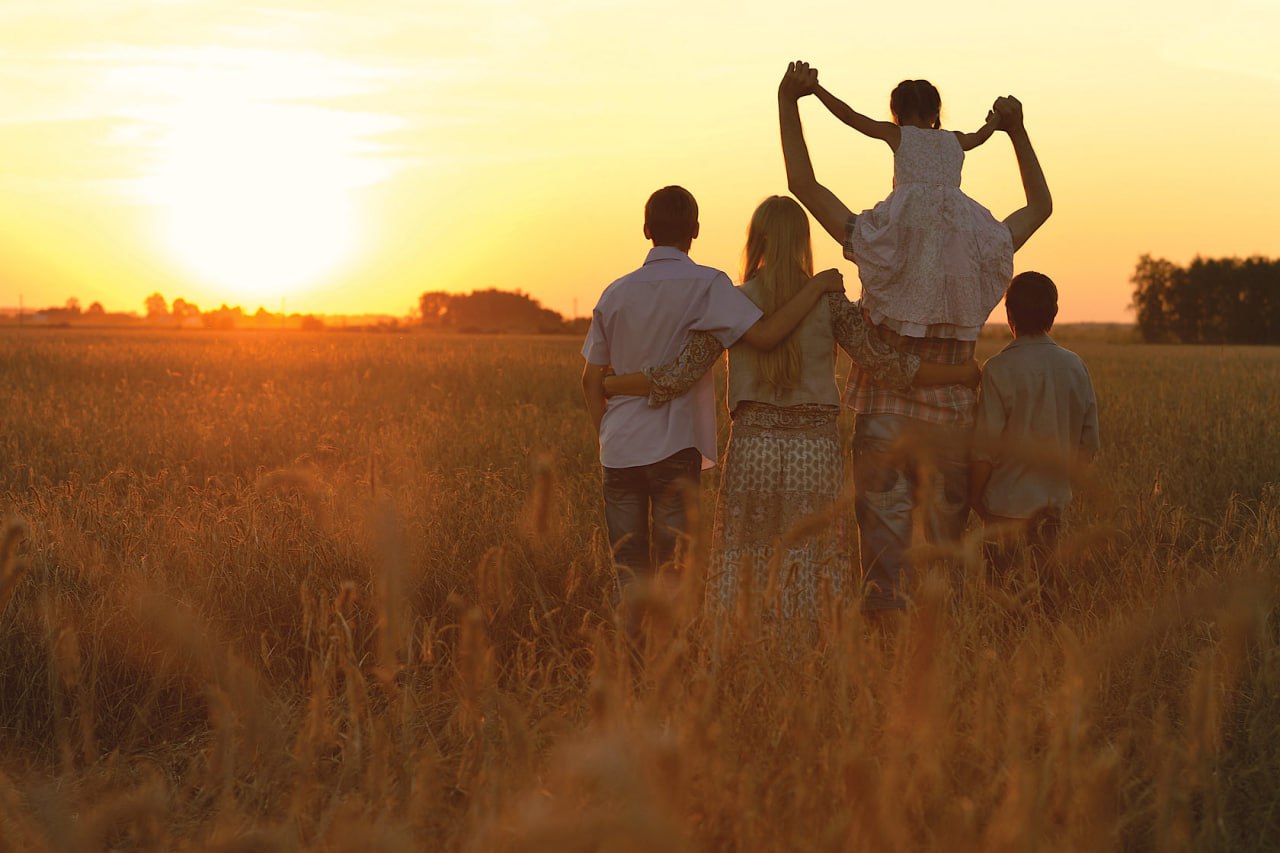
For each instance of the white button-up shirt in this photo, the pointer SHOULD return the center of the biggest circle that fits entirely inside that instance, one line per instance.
(1037, 418)
(644, 320)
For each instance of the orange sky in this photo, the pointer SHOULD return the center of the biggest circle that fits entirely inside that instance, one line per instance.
(343, 161)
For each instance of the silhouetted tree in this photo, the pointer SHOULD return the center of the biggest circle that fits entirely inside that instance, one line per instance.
(184, 310)
(222, 318)
(489, 310)
(157, 307)
(1210, 301)
(433, 305)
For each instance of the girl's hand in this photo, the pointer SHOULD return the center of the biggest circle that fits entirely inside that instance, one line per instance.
(800, 80)
(1009, 111)
(973, 374)
(609, 382)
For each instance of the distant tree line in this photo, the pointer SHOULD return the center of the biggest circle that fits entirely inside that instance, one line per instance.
(187, 315)
(1210, 301)
(491, 310)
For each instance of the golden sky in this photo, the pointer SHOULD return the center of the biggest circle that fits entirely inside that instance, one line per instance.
(345, 157)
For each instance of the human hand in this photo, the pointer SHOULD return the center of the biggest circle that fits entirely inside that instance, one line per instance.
(1008, 111)
(610, 382)
(830, 280)
(798, 81)
(979, 509)
(973, 374)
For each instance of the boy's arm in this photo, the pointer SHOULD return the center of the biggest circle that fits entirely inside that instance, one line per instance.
(1089, 441)
(889, 367)
(885, 130)
(831, 212)
(1024, 221)
(626, 385)
(979, 476)
(593, 392)
(773, 330)
(970, 141)
(968, 374)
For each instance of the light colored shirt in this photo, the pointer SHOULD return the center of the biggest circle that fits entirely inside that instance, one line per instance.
(816, 382)
(644, 319)
(1037, 419)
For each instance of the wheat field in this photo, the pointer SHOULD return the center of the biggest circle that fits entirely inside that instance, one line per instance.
(351, 592)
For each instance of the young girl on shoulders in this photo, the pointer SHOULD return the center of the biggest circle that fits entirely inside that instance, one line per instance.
(929, 256)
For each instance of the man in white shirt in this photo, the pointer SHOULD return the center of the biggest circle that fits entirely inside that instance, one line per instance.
(644, 319)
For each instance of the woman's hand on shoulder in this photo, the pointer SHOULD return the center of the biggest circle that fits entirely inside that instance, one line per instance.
(831, 281)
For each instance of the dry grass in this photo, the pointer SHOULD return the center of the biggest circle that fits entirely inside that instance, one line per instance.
(331, 592)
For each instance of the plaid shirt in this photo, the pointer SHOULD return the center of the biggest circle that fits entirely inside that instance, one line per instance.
(936, 404)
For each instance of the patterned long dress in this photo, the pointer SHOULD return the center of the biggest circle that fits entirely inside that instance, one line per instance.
(778, 513)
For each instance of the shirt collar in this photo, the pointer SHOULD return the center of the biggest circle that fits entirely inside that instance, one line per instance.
(665, 253)
(1030, 340)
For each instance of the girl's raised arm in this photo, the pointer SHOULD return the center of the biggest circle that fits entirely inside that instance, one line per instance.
(885, 130)
(969, 141)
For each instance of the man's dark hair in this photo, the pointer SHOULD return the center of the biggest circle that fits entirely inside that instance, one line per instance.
(671, 217)
(1032, 302)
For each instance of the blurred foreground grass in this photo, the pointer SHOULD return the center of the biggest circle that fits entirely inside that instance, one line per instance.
(351, 592)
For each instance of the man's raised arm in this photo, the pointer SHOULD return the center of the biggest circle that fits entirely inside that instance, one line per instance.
(831, 213)
(1024, 221)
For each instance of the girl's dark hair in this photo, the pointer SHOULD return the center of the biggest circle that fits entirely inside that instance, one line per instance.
(916, 99)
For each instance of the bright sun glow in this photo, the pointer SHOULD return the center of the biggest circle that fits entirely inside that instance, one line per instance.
(255, 196)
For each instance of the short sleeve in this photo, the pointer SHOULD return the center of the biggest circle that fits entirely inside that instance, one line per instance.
(727, 313)
(990, 421)
(595, 349)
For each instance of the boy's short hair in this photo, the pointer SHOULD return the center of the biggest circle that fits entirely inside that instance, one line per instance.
(1032, 302)
(671, 216)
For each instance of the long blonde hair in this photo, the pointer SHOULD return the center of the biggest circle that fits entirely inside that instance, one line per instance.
(779, 256)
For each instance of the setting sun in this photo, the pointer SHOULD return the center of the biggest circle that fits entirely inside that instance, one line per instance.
(350, 158)
(253, 197)
(248, 205)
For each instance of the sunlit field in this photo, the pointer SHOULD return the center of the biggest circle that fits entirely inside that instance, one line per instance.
(351, 592)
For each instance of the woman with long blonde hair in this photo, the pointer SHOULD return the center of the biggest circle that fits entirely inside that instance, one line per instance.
(783, 464)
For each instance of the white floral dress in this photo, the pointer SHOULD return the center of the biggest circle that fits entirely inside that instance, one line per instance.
(933, 262)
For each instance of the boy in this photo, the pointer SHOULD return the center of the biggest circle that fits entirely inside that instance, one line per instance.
(644, 319)
(1037, 420)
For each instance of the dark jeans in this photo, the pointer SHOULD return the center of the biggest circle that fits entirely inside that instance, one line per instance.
(1032, 548)
(634, 496)
(907, 473)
